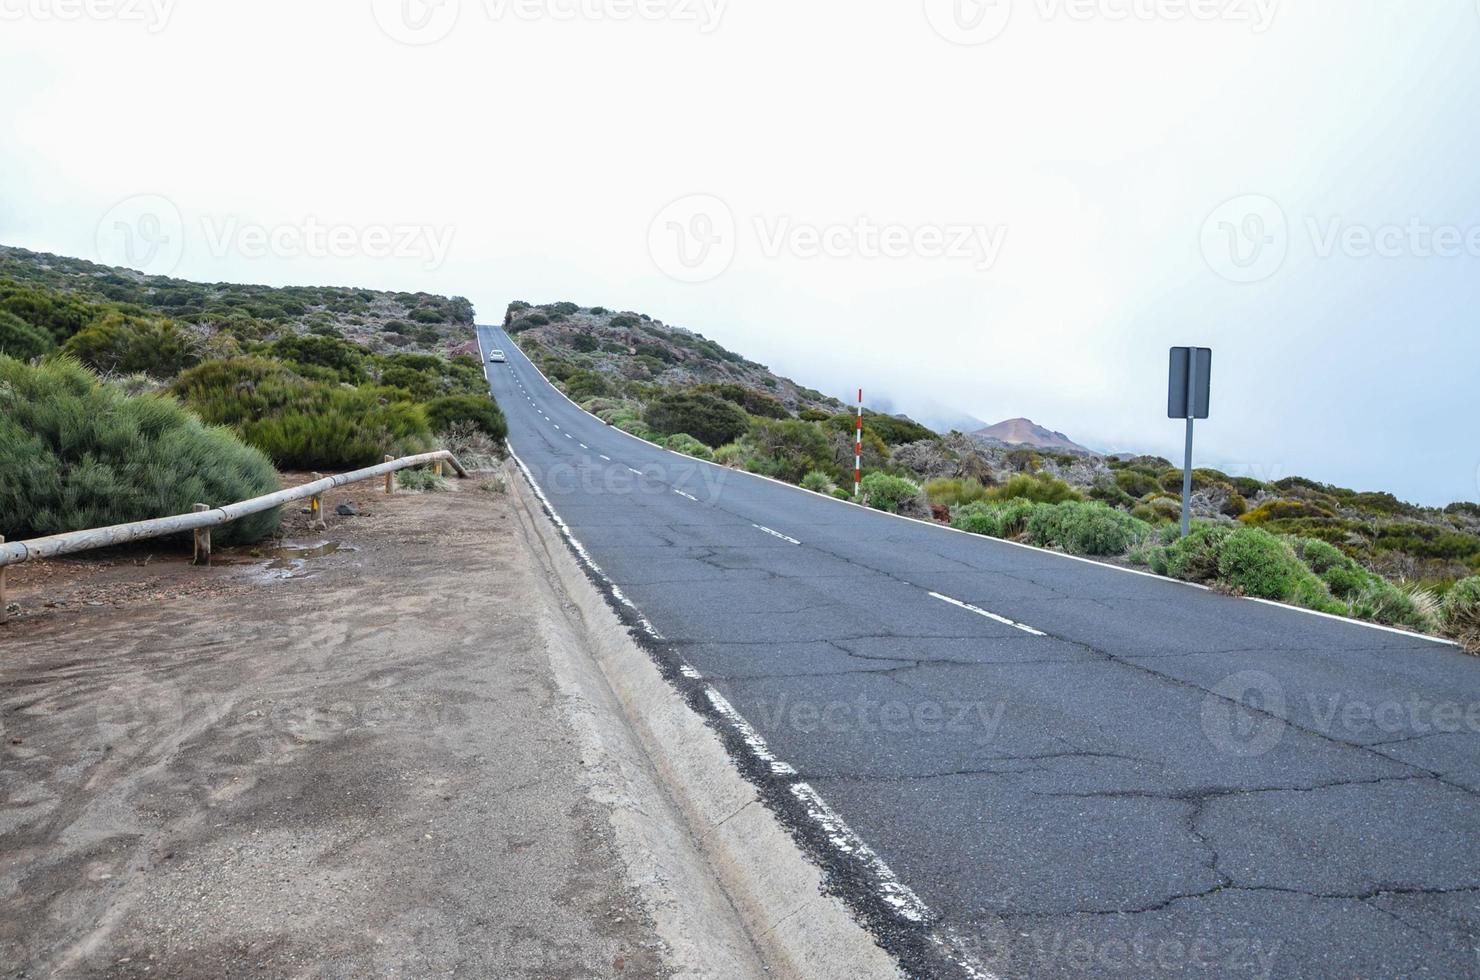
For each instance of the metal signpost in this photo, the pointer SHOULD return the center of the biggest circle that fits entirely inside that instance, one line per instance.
(1188, 391)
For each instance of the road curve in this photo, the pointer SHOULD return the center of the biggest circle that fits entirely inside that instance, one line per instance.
(1017, 763)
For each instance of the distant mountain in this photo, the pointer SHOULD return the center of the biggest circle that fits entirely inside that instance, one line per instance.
(1025, 432)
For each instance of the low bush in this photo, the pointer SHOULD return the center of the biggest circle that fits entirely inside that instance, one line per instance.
(584, 385)
(1393, 605)
(346, 360)
(302, 423)
(22, 340)
(423, 480)
(817, 481)
(708, 418)
(689, 446)
(1460, 613)
(1039, 489)
(1004, 520)
(77, 453)
(119, 344)
(480, 410)
(1096, 529)
(1195, 557)
(1343, 576)
(1257, 563)
(841, 494)
(788, 449)
(730, 454)
(888, 493)
(955, 492)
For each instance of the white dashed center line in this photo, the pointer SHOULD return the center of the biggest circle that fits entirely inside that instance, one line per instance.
(583, 445)
(688, 495)
(776, 534)
(990, 615)
(631, 470)
(605, 457)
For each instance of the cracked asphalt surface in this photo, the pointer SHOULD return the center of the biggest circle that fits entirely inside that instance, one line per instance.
(1167, 782)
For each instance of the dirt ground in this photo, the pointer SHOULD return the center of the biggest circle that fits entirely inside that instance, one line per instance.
(341, 758)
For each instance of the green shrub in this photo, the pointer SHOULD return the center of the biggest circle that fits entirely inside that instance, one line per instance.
(817, 481)
(481, 410)
(1039, 489)
(1001, 520)
(788, 448)
(1284, 510)
(346, 360)
(1385, 602)
(1095, 529)
(730, 454)
(842, 494)
(955, 492)
(1195, 557)
(1343, 576)
(1460, 613)
(887, 493)
(1257, 563)
(76, 453)
(22, 340)
(584, 385)
(419, 479)
(689, 446)
(302, 423)
(708, 418)
(1136, 483)
(119, 344)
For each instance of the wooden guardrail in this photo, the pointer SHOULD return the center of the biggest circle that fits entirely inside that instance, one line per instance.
(205, 517)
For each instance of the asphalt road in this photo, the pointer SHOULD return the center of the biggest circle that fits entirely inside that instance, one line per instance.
(1081, 771)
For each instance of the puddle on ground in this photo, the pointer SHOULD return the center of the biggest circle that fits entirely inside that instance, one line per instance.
(288, 560)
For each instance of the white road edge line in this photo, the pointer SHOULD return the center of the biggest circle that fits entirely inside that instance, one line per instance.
(775, 534)
(990, 615)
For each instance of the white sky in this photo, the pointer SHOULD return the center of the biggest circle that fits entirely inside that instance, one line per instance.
(540, 145)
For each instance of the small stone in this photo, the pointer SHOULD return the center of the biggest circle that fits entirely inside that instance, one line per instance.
(346, 510)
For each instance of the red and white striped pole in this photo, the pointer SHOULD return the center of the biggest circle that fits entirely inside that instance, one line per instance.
(858, 450)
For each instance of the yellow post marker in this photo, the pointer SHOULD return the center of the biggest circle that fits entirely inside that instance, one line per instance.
(316, 506)
(202, 540)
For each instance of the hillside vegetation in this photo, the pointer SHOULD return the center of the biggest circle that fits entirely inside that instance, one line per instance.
(1362, 554)
(376, 320)
(242, 369)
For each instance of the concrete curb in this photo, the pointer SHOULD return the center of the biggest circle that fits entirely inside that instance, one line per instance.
(730, 892)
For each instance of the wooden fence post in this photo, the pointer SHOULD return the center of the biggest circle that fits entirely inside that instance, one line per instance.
(202, 540)
(390, 478)
(437, 468)
(4, 602)
(316, 506)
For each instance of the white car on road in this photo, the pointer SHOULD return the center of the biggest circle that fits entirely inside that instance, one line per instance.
(496, 357)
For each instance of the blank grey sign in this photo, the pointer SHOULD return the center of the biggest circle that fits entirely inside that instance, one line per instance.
(1177, 386)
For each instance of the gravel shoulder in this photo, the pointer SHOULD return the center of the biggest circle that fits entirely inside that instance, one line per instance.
(337, 761)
